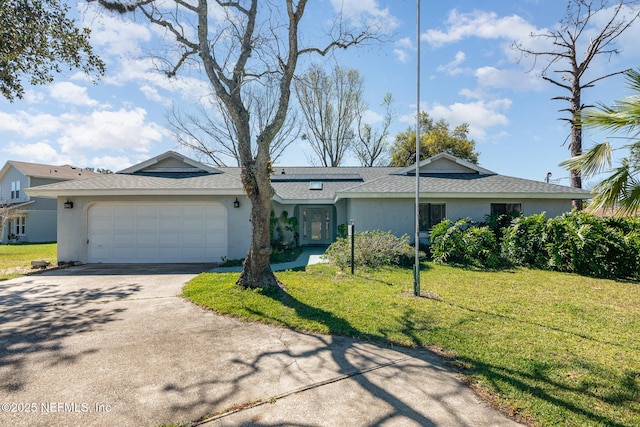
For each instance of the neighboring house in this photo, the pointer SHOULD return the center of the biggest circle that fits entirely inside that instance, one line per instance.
(174, 209)
(31, 219)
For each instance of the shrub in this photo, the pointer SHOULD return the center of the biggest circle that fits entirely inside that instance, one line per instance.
(585, 244)
(446, 241)
(371, 249)
(523, 242)
(481, 247)
(577, 242)
(463, 242)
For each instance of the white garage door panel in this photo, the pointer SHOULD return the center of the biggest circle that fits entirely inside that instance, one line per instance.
(157, 233)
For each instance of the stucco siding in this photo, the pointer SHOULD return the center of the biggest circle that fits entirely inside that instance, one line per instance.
(395, 215)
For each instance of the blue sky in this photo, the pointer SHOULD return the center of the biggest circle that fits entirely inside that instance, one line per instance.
(469, 74)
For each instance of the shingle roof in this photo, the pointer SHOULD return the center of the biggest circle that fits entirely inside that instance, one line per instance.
(223, 183)
(38, 170)
(463, 183)
(376, 183)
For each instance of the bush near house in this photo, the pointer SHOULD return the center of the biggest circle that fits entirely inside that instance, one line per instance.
(465, 242)
(371, 249)
(576, 242)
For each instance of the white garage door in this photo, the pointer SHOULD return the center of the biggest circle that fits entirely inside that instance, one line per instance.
(157, 232)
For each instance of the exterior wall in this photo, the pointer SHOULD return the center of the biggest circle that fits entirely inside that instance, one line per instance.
(41, 226)
(41, 202)
(40, 213)
(73, 224)
(11, 175)
(397, 215)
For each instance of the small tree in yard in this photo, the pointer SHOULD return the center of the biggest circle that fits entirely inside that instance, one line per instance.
(9, 211)
(240, 45)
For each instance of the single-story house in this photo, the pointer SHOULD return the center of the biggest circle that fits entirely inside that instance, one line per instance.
(26, 218)
(174, 209)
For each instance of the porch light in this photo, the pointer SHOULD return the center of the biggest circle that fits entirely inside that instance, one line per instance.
(68, 204)
(236, 203)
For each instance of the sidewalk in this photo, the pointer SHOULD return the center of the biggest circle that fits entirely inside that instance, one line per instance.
(310, 255)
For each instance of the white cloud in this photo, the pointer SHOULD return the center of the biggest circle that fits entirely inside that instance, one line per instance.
(39, 152)
(485, 25)
(402, 48)
(152, 94)
(113, 163)
(29, 125)
(452, 68)
(514, 79)
(122, 130)
(115, 35)
(481, 115)
(371, 117)
(367, 12)
(70, 93)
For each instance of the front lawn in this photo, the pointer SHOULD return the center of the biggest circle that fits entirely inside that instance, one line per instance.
(552, 348)
(15, 260)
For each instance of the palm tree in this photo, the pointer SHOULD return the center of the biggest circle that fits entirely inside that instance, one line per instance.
(620, 191)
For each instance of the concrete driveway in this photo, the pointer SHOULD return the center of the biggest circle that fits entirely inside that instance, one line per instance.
(114, 345)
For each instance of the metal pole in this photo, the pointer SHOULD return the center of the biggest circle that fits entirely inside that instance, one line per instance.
(416, 271)
(352, 233)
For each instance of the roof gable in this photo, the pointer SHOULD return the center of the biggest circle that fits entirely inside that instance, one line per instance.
(445, 163)
(53, 172)
(170, 164)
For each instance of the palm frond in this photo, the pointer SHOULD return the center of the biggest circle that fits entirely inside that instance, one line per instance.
(630, 200)
(611, 190)
(623, 115)
(597, 159)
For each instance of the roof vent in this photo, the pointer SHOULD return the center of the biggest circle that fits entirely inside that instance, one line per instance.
(282, 172)
(315, 185)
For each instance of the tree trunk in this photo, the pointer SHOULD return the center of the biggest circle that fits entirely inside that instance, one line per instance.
(256, 272)
(576, 136)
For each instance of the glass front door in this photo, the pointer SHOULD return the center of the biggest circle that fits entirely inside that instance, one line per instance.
(317, 226)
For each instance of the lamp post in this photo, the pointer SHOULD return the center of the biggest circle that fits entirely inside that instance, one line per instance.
(416, 267)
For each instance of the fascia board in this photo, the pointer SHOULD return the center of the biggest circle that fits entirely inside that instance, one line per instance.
(33, 192)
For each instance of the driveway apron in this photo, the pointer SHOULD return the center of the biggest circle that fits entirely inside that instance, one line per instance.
(106, 345)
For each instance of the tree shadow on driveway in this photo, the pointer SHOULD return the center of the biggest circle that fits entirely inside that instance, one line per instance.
(311, 378)
(36, 318)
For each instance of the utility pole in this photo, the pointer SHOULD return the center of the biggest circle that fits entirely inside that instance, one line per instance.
(416, 268)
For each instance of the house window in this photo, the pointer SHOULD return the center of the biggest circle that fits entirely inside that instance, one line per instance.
(20, 226)
(431, 214)
(505, 208)
(15, 189)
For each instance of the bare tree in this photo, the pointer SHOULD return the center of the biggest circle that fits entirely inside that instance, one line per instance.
(9, 211)
(566, 58)
(213, 137)
(371, 145)
(257, 42)
(331, 104)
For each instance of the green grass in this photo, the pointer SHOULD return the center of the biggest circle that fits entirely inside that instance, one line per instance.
(15, 260)
(552, 348)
